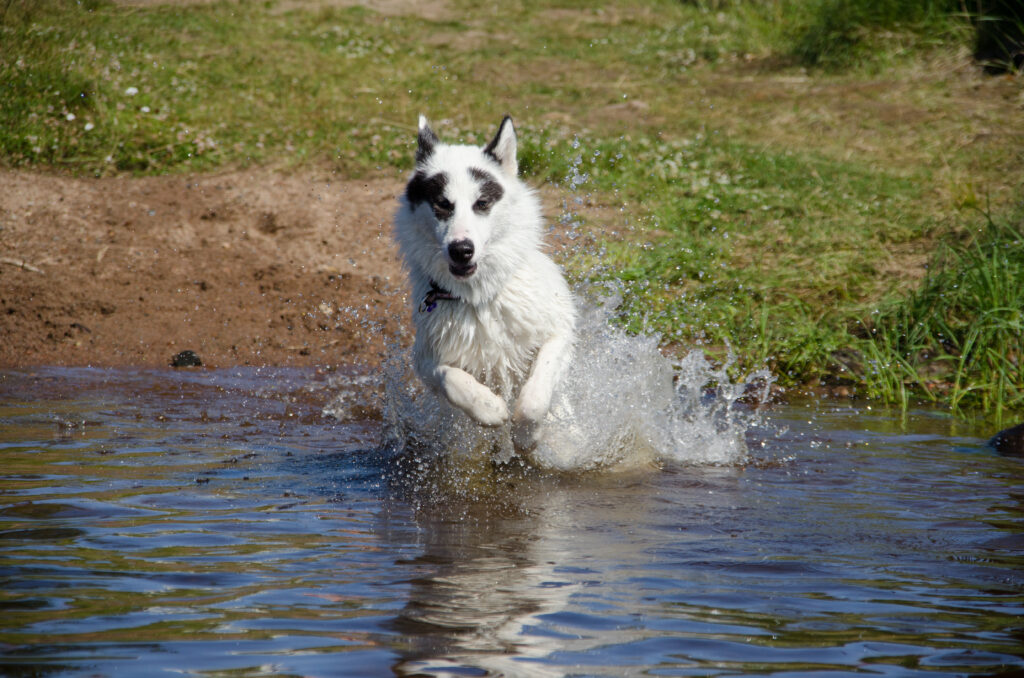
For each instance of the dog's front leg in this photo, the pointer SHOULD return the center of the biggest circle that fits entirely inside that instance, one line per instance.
(469, 395)
(535, 397)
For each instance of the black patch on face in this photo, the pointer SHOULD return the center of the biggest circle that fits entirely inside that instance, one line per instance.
(490, 190)
(430, 190)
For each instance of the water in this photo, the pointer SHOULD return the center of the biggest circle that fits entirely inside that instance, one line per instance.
(219, 523)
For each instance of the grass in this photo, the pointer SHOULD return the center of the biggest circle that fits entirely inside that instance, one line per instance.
(747, 186)
(959, 337)
(841, 33)
(109, 90)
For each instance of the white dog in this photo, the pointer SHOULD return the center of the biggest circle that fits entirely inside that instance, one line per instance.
(494, 317)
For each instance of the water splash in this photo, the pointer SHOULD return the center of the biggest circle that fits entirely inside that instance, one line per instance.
(623, 404)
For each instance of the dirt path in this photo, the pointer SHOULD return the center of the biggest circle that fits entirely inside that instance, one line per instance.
(252, 267)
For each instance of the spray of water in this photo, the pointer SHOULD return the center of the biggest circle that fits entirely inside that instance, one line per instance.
(623, 404)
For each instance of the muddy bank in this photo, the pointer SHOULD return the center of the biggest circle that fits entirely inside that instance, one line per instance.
(244, 268)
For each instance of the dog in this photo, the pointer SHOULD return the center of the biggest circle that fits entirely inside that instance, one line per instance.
(494, 316)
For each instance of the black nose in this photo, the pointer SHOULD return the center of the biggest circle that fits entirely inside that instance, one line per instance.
(461, 252)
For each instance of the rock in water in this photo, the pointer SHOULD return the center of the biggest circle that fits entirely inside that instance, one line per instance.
(186, 359)
(1009, 442)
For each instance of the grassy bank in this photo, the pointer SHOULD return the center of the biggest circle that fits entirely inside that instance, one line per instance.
(959, 336)
(795, 200)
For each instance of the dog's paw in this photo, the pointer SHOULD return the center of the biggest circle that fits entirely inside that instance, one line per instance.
(475, 399)
(530, 410)
(532, 405)
(488, 409)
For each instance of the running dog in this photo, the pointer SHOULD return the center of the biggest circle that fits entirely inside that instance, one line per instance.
(494, 317)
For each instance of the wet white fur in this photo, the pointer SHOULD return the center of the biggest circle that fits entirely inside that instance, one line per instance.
(508, 340)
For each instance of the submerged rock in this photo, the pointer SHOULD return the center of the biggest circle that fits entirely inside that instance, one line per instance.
(1009, 442)
(186, 359)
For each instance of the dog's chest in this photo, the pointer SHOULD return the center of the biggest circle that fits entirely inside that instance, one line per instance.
(495, 343)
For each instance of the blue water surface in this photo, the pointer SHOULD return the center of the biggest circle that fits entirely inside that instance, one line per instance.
(217, 523)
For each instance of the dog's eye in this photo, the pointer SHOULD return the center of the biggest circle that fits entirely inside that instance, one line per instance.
(443, 206)
(482, 205)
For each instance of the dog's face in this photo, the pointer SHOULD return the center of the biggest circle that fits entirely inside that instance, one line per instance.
(461, 192)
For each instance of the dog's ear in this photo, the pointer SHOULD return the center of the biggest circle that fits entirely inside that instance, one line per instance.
(426, 141)
(503, 147)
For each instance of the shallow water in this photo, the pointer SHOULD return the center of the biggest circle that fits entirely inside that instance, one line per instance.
(217, 523)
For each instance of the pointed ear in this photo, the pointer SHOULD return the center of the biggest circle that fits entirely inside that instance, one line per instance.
(503, 147)
(426, 141)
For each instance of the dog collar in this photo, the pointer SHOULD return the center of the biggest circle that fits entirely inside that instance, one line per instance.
(435, 294)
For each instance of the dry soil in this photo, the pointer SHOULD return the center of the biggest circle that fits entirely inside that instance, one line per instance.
(247, 267)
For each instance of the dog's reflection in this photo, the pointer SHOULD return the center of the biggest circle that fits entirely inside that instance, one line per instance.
(485, 577)
(535, 577)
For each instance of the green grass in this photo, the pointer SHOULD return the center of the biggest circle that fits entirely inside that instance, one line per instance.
(841, 33)
(771, 251)
(959, 337)
(165, 90)
(774, 176)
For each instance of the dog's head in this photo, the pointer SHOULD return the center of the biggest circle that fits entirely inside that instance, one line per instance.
(463, 194)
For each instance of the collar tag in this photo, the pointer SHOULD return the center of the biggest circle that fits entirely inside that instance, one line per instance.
(435, 294)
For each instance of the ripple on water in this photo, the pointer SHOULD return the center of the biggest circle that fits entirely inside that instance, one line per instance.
(266, 534)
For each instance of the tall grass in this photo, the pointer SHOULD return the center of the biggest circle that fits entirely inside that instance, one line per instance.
(959, 338)
(840, 33)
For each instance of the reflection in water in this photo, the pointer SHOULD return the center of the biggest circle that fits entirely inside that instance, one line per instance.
(487, 579)
(214, 522)
(478, 587)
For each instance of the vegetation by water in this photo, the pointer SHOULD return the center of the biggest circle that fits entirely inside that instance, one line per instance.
(832, 188)
(959, 337)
